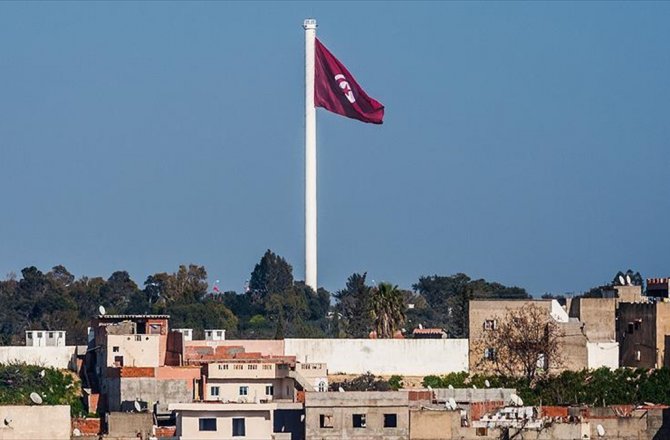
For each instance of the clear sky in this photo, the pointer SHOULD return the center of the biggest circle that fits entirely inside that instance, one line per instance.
(526, 143)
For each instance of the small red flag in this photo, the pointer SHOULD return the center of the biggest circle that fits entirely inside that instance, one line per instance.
(336, 90)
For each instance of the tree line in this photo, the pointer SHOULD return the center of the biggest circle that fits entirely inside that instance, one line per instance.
(274, 305)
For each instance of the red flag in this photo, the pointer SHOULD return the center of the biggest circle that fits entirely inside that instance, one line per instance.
(336, 90)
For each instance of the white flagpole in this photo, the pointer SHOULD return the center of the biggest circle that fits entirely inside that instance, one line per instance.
(310, 158)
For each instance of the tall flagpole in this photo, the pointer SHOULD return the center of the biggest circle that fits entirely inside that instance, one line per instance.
(310, 157)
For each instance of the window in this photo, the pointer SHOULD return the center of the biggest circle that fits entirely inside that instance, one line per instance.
(252, 367)
(115, 349)
(244, 391)
(138, 337)
(490, 354)
(238, 428)
(269, 390)
(358, 420)
(390, 420)
(207, 424)
(208, 334)
(322, 387)
(630, 327)
(325, 420)
(51, 335)
(223, 366)
(238, 367)
(219, 334)
(61, 335)
(267, 367)
(482, 432)
(214, 391)
(638, 323)
(39, 334)
(490, 324)
(118, 361)
(30, 335)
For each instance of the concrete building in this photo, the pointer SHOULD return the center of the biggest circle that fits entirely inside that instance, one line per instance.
(644, 334)
(357, 415)
(257, 421)
(18, 422)
(588, 339)
(45, 338)
(215, 335)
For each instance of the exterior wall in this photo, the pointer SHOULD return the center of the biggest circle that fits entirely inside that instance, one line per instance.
(598, 316)
(258, 420)
(45, 338)
(129, 424)
(603, 354)
(343, 406)
(229, 389)
(56, 357)
(573, 345)
(408, 357)
(144, 352)
(269, 347)
(35, 422)
(240, 370)
(629, 294)
(433, 425)
(637, 332)
(123, 391)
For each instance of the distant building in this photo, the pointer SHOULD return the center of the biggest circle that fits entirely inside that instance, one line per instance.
(644, 334)
(357, 415)
(215, 335)
(45, 338)
(186, 332)
(658, 288)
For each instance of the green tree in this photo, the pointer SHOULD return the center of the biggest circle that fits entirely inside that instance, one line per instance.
(352, 307)
(387, 309)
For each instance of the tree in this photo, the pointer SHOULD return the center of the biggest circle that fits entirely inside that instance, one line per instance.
(387, 309)
(271, 275)
(524, 342)
(352, 307)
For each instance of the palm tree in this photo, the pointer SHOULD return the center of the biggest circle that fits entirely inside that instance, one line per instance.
(387, 309)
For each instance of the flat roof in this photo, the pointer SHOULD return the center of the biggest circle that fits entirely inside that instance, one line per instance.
(133, 316)
(226, 406)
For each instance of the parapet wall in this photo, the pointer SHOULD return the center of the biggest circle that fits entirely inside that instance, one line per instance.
(407, 357)
(56, 357)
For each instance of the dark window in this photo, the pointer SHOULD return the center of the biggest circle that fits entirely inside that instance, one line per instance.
(118, 361)
(238, 428)
(630, 327)
(490, 354)
(207, 424)
(482, 432)
(269, 390)
(358, 420)
(215, 391)
(244, 391)
(390, 420)
(637, 324)
(51, 335)
(115, 349)
(326, 420)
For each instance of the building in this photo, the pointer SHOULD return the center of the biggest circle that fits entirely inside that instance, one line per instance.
(644, 334)
(215, 335)
(48, 422)
(357, 415)
(588, 339)
(658, 288)
(257, 421)
(45, 338)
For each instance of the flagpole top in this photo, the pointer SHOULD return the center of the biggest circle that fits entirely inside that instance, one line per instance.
(309, 23)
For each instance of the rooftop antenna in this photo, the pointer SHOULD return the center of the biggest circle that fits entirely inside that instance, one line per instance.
(622, 280)
(102, 310)
(601, 430)
(36, 398)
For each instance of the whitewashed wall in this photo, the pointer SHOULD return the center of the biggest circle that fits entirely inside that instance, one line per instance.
(407, 357)
(603, 354)
(56, 357)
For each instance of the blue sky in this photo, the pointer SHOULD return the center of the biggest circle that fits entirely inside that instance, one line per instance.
(526, 143)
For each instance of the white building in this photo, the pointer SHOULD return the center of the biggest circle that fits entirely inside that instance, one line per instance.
(45, 338)
(215, 335)
(187, 333)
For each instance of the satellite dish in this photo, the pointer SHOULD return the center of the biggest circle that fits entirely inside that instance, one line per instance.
(474, 387)
(76, 432)
(102, 310)
(601, 430)
(622, 280)
(420, 326)
(628, 280)
(302, 417)
(452, 403)
(451, 387)
(36, 398)
(516, 400)
(487, 383)
(340, 389)
(429, 388)
(8, 420)
(138, 406)
(42, 373)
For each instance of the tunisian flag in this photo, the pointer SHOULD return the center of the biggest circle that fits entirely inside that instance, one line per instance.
(336, 90)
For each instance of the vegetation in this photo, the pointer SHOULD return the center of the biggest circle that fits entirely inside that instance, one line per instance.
(387, 310)
(56, 387)
(364, 382)
(599, 387)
